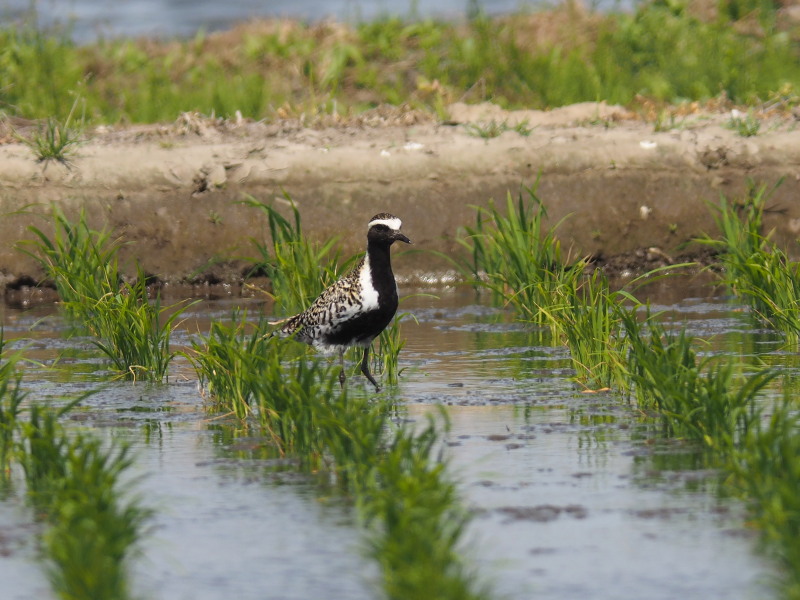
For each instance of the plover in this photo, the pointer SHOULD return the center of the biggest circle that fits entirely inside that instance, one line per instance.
(354, 310)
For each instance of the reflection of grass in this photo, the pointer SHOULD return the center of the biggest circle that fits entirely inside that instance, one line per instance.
(76, 486)
(11, 397)
(409, 504)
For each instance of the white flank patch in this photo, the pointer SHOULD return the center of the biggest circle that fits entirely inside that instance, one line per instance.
(369, 295)
(395, 223)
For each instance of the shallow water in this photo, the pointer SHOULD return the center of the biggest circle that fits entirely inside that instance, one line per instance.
(574, 496)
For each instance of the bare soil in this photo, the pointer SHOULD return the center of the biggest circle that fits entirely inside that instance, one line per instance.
(629, 195)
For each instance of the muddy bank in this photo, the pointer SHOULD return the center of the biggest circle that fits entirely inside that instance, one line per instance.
(171, 192)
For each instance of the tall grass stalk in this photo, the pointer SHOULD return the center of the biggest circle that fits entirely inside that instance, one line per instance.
(755, 268)
(133, 332)
(706, 399)
(81, 262)
(520, 261)
(298, 269)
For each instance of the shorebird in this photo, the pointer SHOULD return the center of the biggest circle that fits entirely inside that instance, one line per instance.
(354, 310)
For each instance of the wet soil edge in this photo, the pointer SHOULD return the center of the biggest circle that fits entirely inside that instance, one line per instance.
(621, 215)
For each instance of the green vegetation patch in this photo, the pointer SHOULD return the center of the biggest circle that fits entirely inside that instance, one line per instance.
(275, 69)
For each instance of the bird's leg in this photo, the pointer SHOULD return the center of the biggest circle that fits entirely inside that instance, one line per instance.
(365, 369)
(341, 373)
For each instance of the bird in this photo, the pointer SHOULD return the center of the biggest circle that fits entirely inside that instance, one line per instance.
(357, 307)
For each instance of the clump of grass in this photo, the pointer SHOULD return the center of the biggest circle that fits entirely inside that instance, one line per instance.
(417, 522)
(130, 330)
(81, 262)
(746, 125)
(493, 129)
(400, 487)
(55, 139)
(519, 260)
(701, 399)
(76, 487)
(766, 471)
(223, 360)
(298, 269)
(587, 316)
(755, 268)
(11, 398)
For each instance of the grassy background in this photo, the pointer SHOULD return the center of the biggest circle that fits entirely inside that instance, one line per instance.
(666, 51)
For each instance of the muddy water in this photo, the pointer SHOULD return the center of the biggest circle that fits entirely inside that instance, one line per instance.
(574, 496)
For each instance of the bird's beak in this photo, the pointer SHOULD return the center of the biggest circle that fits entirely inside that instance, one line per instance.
(399, 236)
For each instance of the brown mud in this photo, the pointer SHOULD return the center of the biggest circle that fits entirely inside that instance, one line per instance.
(630, 195)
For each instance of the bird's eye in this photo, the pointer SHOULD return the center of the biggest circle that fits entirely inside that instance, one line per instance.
(382, 227)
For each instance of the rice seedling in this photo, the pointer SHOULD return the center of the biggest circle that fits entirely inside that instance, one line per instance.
(289, 400)
(400, 488)
(765, 469)
(297, 268)
(223, 360)
(416, 522)
(706, 399)
(76, 487)
(11, 397)
(755, 268)
(130, 330)
(81, 262)
(133, 332)
(520, 261)
(588, 317)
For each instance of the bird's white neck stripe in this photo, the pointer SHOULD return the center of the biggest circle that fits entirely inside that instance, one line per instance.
(390, 223)
(369, 295)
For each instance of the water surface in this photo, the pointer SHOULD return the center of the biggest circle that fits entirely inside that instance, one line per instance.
(574, 495)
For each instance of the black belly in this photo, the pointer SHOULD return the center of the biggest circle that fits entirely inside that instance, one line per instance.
(363, 328)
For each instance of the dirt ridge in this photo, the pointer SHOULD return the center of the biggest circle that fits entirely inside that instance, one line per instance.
(172, 192)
